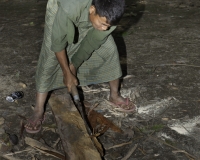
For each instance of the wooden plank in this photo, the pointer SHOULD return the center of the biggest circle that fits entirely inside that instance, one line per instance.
(75, 140)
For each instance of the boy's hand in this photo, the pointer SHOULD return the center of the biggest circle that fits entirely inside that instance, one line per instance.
(69, 71)
(70, 80)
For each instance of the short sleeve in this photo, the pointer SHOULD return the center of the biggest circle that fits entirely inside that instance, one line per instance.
(62, 31)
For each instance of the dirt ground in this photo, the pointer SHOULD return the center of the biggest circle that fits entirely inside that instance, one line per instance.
(159, 49)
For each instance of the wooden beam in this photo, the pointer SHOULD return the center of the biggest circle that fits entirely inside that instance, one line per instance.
(75, 140)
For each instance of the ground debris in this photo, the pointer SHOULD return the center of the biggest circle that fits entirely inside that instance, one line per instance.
(101, 124)
(119, 145)
(43, 148)
(150, 111)
(130, 152)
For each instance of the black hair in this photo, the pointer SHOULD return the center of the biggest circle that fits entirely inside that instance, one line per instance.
(111, 9)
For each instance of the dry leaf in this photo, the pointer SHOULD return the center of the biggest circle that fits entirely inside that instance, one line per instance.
(100, 123)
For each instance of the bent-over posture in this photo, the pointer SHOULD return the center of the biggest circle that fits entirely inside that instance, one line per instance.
(89, 58)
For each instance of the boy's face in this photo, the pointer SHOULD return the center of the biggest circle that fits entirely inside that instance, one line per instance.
(98, 22)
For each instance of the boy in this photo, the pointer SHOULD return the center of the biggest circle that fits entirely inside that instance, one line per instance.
(92, 59)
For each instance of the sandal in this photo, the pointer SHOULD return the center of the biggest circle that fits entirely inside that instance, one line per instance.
(38, 122)
(122, 105)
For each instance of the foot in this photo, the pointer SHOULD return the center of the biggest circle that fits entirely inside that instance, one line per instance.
(122, 104)
(34, 124)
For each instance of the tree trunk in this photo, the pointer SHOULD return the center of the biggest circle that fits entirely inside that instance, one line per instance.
(75, 140)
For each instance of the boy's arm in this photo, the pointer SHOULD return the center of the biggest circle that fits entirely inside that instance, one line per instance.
(69, 73)
(62, 34)
(62, 31)
(92, 41)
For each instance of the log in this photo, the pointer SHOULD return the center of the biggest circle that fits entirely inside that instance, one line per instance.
(76, 142)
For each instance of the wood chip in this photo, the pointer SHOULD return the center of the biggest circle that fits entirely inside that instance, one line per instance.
(165, 119)
(119, 145)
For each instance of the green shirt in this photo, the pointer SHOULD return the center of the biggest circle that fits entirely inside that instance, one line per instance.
(73, 13)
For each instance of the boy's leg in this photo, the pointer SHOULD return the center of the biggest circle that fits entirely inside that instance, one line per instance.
(104, 66)
(117, 99)
(35, 121)
(46, 70)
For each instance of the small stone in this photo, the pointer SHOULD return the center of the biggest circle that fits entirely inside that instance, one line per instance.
(2, 120)
(156, 155)
(149, 151)
(12, 107)
(182, 6)
(2, 131)
(129, 132)
(23, 85)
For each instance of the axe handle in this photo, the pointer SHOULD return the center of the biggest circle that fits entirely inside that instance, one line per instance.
(74, 92)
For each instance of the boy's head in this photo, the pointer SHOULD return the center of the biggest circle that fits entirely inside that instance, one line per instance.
(104, 13)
